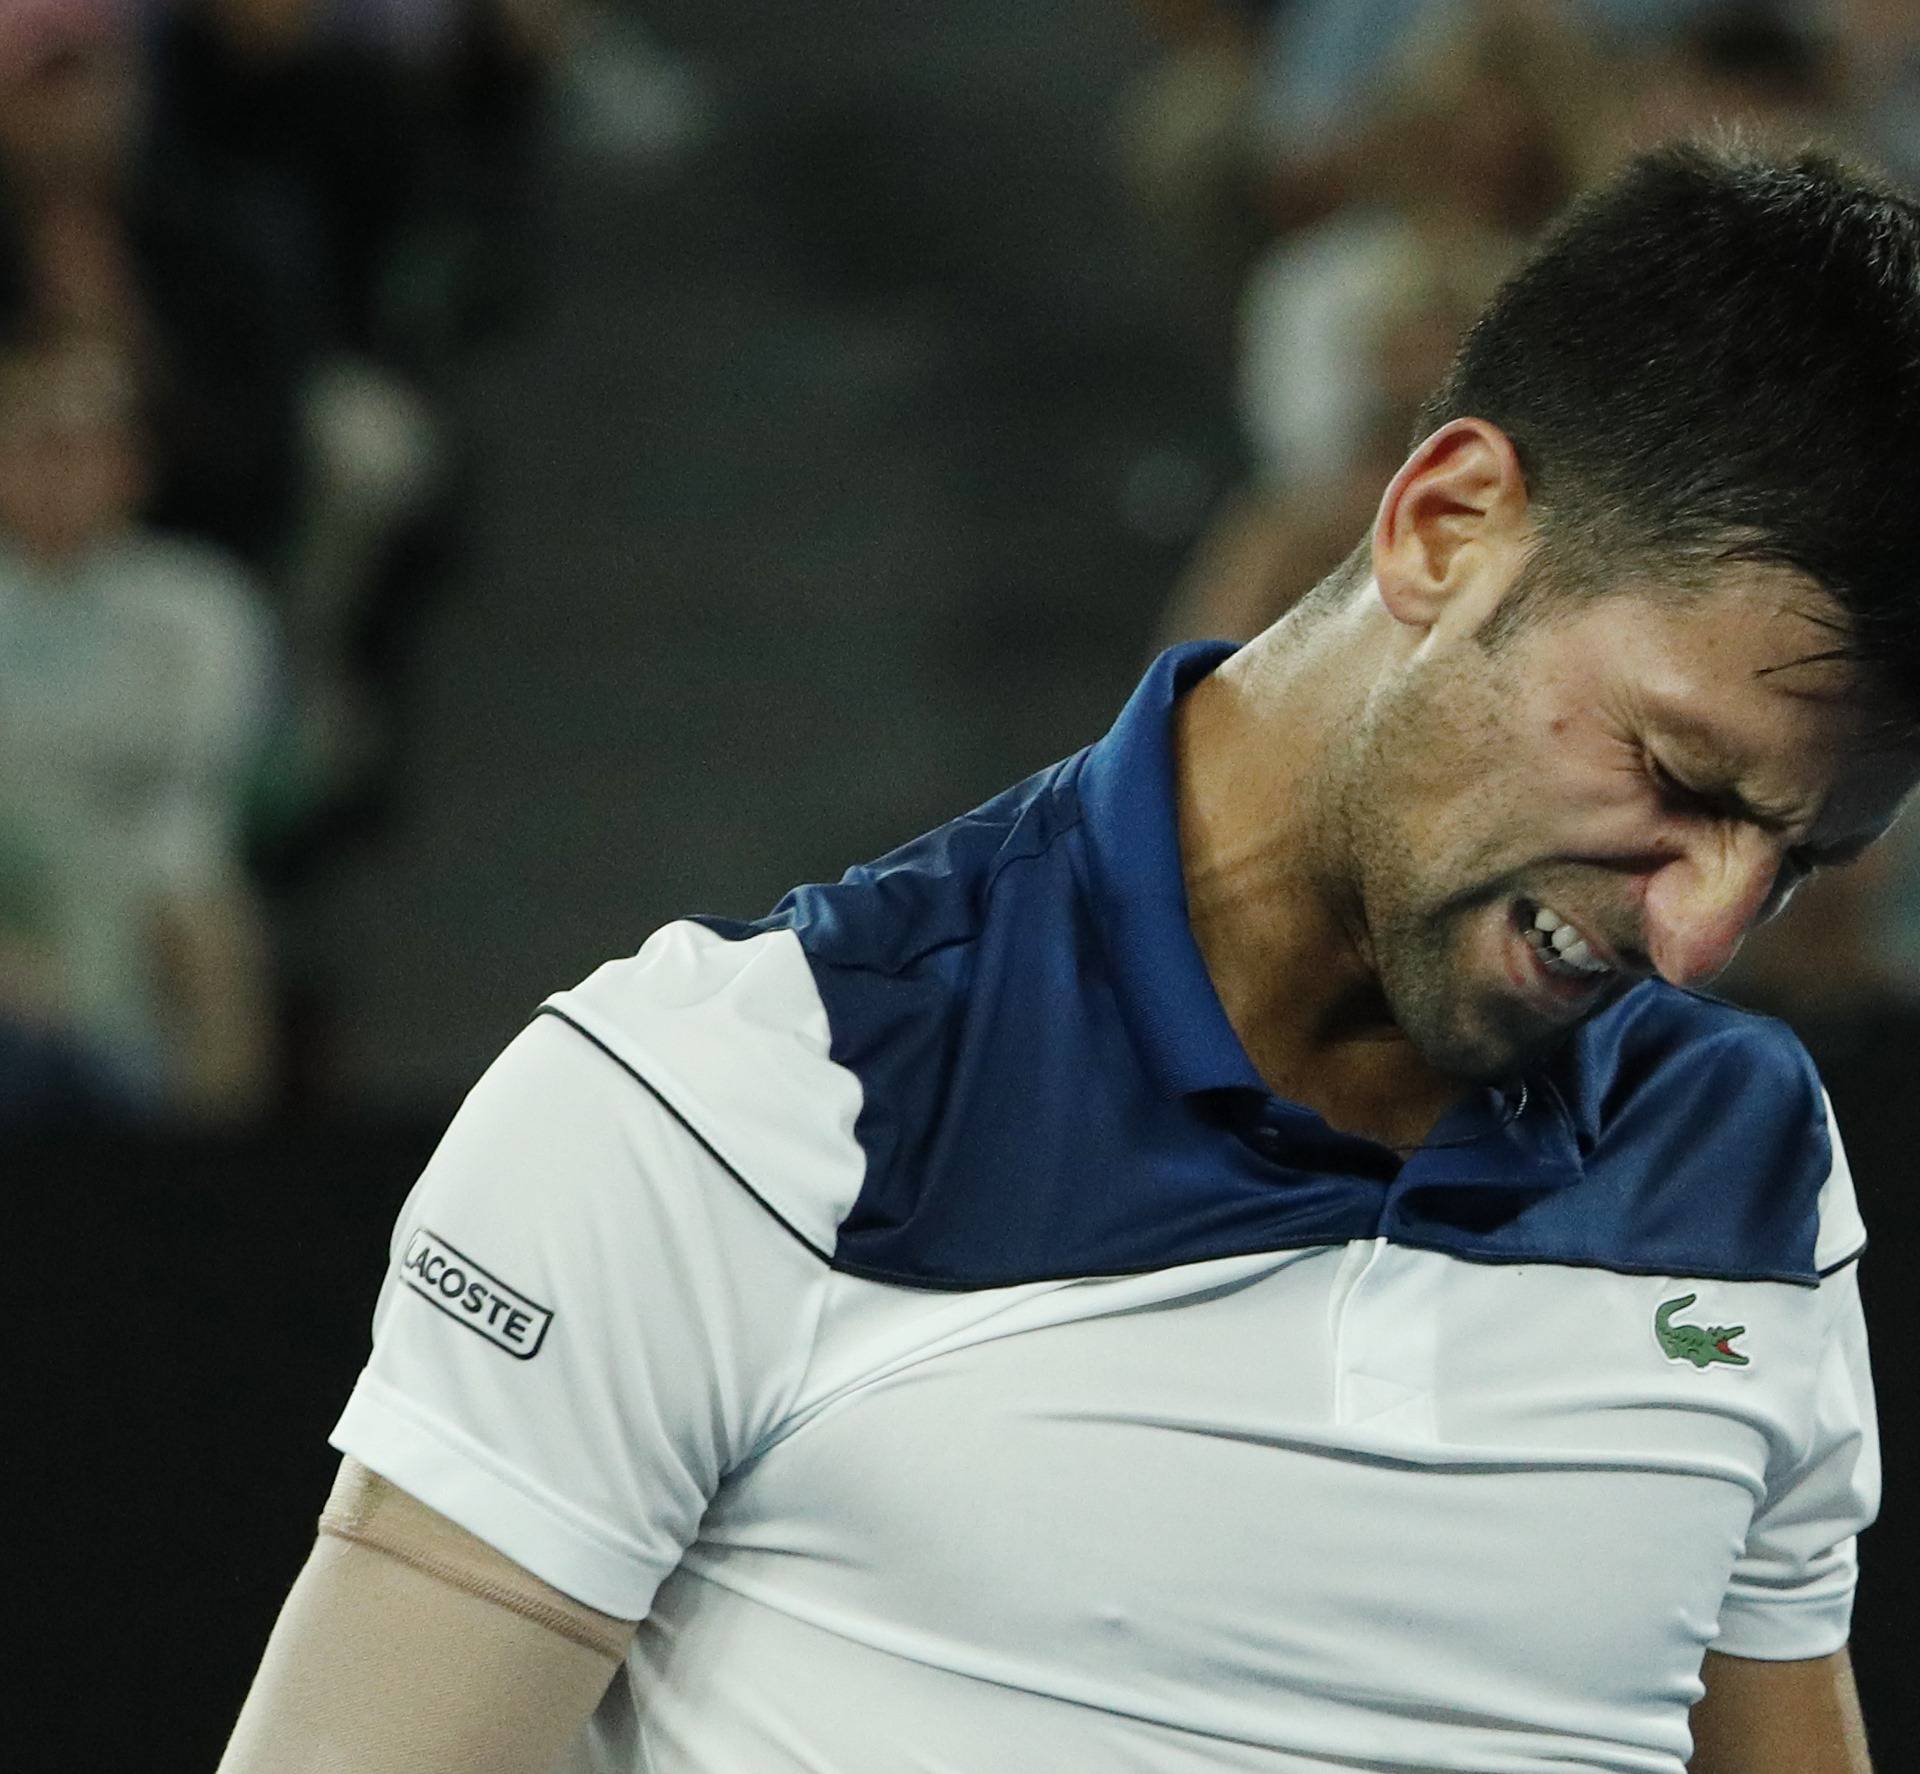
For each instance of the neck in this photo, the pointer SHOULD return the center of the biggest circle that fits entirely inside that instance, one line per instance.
(1269, 883)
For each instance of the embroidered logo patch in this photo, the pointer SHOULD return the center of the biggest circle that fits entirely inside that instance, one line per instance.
(1699, 1344)
(470, 1295)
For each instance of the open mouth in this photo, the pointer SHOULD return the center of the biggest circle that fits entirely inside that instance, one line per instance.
(1562, 955)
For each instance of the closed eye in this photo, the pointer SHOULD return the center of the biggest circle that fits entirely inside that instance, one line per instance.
(1682, 797)
(1715, 803)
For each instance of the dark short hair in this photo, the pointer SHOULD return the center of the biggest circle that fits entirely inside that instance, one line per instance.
(1714, 358)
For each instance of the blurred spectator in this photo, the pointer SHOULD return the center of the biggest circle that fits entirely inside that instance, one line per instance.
(1347, 324)
(114, 244)
(1404, 301)
(1189, 148)
(1488, 116)
(1488, 128)
(283, 220)
(1331, 65)
(1876, 49)
(135, 678)
(323, 136)
(1743, 62)
(383, 150)
(324, 147)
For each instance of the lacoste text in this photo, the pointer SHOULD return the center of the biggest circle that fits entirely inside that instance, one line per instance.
(470, 1295)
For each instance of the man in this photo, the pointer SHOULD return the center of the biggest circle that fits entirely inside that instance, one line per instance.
(1236, 1254)
(136, 697)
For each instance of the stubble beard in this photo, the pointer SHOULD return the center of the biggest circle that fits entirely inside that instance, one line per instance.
(1416, 925)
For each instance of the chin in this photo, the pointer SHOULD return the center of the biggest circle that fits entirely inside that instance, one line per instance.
(1491, 1064)
(1481, 1048)
(1449, 988)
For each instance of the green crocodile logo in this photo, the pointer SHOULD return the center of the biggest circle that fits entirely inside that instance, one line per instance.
(1696, 1343)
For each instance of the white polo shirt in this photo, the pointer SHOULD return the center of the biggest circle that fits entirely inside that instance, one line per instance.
(914, 1308)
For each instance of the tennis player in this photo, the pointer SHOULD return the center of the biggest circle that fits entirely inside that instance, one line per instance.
(1248, 1251)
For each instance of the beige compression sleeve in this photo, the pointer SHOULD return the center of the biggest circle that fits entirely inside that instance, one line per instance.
(364, 1508)
(408, 1646)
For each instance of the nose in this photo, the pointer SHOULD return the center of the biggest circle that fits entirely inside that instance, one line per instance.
(1698, 906)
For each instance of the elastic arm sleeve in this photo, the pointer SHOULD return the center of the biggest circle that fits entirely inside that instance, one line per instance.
(377, 1666)
(367, 1510)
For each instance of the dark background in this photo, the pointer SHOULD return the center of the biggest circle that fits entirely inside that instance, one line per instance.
(834, 474)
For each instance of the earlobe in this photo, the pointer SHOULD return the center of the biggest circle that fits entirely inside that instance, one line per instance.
(1451, 526)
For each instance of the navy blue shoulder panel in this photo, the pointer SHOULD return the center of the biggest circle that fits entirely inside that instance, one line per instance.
(1013, 1131)
(906, 953)
(1010, 1129)
(1704, 1147)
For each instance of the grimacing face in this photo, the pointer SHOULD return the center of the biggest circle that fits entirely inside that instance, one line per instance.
(1624, 788)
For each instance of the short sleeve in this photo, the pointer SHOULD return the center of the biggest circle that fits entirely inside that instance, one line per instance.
(1791, 1593)
(586, 1321)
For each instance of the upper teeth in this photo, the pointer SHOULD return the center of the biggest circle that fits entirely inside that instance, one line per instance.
(1562, 943)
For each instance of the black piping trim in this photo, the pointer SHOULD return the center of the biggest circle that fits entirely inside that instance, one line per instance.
(931, 1284)
(705, 1145)
(1853, 1256)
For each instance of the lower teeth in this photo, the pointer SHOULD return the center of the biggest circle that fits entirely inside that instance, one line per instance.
(1566, 969)
(1543, 946)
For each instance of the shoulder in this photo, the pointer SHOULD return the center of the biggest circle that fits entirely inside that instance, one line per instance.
(727, 1030)
(1662, 1048)
(895, 916)
(780, 1043)
(1713, 1119)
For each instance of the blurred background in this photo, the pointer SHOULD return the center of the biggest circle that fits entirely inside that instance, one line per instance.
(481, 477)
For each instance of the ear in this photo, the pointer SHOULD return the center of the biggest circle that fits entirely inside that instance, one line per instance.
(1452, 529)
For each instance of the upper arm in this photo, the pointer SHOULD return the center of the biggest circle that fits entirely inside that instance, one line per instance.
(409, 1645)
(586, 1323)
(1800, 1717)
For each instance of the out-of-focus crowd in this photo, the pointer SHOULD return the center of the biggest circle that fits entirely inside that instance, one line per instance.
(242, 245)
(245, 244)
(1354, 177)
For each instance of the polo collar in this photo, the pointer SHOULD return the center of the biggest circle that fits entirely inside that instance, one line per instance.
(1129, 814)
(1138, 894)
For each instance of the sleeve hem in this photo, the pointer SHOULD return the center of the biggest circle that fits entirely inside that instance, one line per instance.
(447, 1471)
(1789, 1635)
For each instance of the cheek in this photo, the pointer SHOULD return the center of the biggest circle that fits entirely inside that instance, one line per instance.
(1513, 819)
(1503, 772)
(1586, 782)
